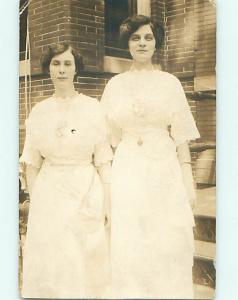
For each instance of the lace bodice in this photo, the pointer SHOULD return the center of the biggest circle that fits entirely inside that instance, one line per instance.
(62, 131)
(142, 102)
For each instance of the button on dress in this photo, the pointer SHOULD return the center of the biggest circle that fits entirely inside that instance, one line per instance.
(151, 220)
(66, 248)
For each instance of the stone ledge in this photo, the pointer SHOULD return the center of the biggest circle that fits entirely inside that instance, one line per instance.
(206, 203)
(203, 292)
(205, 250)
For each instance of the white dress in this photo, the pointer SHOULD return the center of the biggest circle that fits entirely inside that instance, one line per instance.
(151, 221)
(66, 248)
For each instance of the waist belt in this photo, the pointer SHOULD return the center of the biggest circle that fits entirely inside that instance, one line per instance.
(67, 162)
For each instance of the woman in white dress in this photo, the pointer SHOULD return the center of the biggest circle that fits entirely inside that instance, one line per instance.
(152, 187)
(67, 159)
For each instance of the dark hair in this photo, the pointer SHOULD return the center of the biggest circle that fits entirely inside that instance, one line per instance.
(60, 48)
(132, 24)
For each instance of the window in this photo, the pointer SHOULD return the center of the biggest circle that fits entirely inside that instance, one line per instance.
(115, 13)
(23, 11)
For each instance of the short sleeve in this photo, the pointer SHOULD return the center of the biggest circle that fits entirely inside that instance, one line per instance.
(183, 127)
(108, 103)
(30, 154)
(102, 150)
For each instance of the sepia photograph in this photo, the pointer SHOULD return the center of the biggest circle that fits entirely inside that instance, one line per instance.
(117, 149)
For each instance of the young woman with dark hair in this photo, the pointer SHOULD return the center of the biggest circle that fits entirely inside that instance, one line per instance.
(67, 160)
(152, 187)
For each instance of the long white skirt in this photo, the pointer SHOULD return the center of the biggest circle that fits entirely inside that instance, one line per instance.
(66, 249)
(152, 226)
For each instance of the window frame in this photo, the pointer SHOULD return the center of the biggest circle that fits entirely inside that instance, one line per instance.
(122, 62)
(23, 9)
(114, 50)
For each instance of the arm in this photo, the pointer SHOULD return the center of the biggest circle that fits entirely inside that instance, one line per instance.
(31, 174)
(184, 158)
(104, 172)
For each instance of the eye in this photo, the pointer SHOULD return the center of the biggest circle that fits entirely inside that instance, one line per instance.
(68, 63)
(135, 37)
(149, 37)
(55, 62)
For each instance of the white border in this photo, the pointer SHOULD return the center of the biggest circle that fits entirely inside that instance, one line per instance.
(227, 214)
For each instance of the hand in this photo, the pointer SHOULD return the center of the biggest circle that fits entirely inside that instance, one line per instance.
(189, 184)
(107, 207)
(193, 202)
(107, 221)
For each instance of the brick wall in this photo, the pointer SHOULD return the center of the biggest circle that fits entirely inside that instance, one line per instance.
(205, 38)
(180, 37)
(190, 37)
(190, 50)
(79, 22)
(206, 119)
(47, 19)
(158, 14)
(86, 26)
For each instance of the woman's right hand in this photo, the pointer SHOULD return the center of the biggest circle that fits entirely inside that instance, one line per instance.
(107, 220)
(31, 174)
(189, 184)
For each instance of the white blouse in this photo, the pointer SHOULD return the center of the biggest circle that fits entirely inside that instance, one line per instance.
(71, 130)
(142, 102)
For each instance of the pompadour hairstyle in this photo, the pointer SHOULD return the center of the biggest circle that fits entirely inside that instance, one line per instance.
(132, 24)
(59, 48)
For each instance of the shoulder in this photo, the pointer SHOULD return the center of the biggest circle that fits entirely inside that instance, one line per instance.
(87, 103)
(116, 79)
(90, 109)
(169, 81)
(42, 106)
(167, 76)
(87, 100)
(40, 113)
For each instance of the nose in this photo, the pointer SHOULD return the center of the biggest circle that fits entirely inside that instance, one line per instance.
(61, 69)
(142, 42)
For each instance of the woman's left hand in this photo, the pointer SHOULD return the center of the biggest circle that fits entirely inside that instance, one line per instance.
(189, 184)
(107, 221)
(184, 158)
(107, 201)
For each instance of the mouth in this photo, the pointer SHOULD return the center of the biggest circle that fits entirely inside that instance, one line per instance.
(142, 50)
(62, 78)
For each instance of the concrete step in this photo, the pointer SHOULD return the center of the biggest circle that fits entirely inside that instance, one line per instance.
(203, 292)
(204, 272)
(205, 250)
(206, 203)
(205, 215)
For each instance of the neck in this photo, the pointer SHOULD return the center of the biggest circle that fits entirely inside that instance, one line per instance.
(64, 92)
(142, 65)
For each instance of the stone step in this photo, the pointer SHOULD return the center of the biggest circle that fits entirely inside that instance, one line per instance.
(199, 147)
(206, 203)
(205, 215)
(205, 250)
(203, 292)
(204, 272)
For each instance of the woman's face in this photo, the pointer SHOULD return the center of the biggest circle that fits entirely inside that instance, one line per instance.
(62, 69)
(142, 44)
